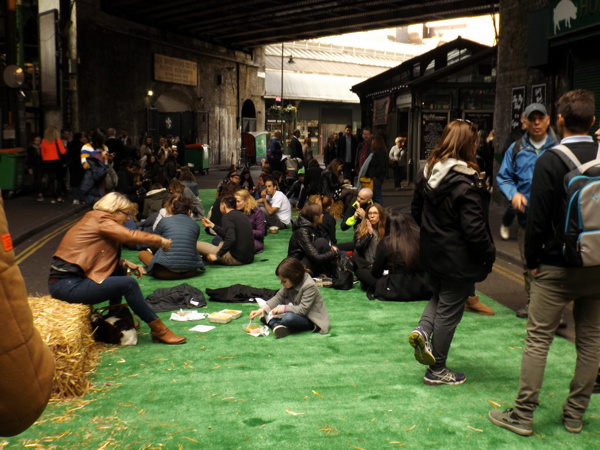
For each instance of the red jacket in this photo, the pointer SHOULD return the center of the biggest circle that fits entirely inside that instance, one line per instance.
(49, 150)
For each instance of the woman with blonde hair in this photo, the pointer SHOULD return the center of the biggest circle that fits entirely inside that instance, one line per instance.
(52, 149)
(451, 206)
(87, 267)
(247, 204)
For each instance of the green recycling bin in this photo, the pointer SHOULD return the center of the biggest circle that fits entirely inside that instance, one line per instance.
(199, 156)
(12, 168)
(261, 145)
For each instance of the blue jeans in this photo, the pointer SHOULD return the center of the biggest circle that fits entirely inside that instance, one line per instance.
(442, 315)
(295, 322)
(87, 292)
(377, 191)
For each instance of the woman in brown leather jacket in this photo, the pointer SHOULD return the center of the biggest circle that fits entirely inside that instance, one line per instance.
(87, 267)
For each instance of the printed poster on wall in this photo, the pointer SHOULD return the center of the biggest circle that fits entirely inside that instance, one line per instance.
(432, 127)
(538, 94)
(517, 107)
(380, 111)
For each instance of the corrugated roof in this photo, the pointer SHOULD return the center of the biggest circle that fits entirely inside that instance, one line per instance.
(316, 87)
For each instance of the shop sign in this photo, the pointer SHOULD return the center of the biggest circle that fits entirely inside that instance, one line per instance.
(483, 119)
(567, 16)
(432, 127)
(175, 70)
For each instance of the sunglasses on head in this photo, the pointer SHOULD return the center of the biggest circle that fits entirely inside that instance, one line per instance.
(468, 122)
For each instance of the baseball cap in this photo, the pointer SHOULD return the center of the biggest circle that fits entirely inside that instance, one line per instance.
(535, 107)
(301, 172)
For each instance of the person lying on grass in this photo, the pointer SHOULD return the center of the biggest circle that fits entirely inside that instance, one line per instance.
(297, 306)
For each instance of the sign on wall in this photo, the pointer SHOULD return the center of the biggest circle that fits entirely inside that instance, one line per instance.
(175, 70)
(538, 94)
(517, 107)
(568, 16)
(380, 111)
(432, 127)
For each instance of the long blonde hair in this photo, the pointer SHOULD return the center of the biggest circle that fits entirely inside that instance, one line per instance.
(51, 134)
(250, 201)
(459, 141)
(362, 229)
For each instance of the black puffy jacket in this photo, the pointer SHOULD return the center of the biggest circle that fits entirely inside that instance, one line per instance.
(301, 243)
(456, 242)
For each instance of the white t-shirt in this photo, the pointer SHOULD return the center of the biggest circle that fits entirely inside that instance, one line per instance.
(279, 200)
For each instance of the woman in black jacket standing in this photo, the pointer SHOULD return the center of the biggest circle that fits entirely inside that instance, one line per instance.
(305, 244)
(451, 205)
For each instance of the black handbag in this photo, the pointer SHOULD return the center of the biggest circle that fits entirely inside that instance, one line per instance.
(343, 278)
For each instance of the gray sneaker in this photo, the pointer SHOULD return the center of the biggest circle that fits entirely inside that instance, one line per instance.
(506, 419)
(419, 340)
(572, 425)
(444, 376)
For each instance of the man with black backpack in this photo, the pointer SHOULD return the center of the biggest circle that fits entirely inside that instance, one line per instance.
(516, 171)
(562, 271)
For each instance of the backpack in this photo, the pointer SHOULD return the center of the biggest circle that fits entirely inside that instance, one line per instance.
(580, 235)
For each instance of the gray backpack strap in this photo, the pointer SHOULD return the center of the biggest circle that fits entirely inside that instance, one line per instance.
(561, 149)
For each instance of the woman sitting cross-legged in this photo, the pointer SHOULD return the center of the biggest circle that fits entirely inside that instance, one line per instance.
(398, 255)
(306, 245)
(332, 183)
(182, 261)
(86, 267)
(297, 306)
(246, 203)
(367, 236)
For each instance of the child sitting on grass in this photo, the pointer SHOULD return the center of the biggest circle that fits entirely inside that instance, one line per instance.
(297, 306)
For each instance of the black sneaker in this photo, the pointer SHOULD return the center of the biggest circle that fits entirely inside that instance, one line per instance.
(572, 425)
(281, 331)
(506, 420)
(523, 313)
(419, 340)
(444, 376)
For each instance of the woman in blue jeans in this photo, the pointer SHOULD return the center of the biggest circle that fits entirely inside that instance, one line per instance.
(87, 267)
(297, 306)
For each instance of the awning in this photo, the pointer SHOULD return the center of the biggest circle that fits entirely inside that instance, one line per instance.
(303, 86)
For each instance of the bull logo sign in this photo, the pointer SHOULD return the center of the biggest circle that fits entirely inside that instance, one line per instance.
(565, 11)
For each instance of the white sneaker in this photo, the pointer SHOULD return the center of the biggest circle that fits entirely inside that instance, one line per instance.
(504, 232)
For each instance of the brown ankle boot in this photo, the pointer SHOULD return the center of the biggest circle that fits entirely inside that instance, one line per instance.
(475, 306)
(160, 333)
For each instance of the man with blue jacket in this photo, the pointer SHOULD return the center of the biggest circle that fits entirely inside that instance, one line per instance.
(516, 172)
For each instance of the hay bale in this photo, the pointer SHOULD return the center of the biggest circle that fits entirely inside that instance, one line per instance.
(336, 210)
(67, 331)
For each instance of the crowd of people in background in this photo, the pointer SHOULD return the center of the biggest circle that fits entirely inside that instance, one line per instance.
(157, 200)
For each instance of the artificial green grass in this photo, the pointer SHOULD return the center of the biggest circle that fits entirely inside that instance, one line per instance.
(356, 387)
